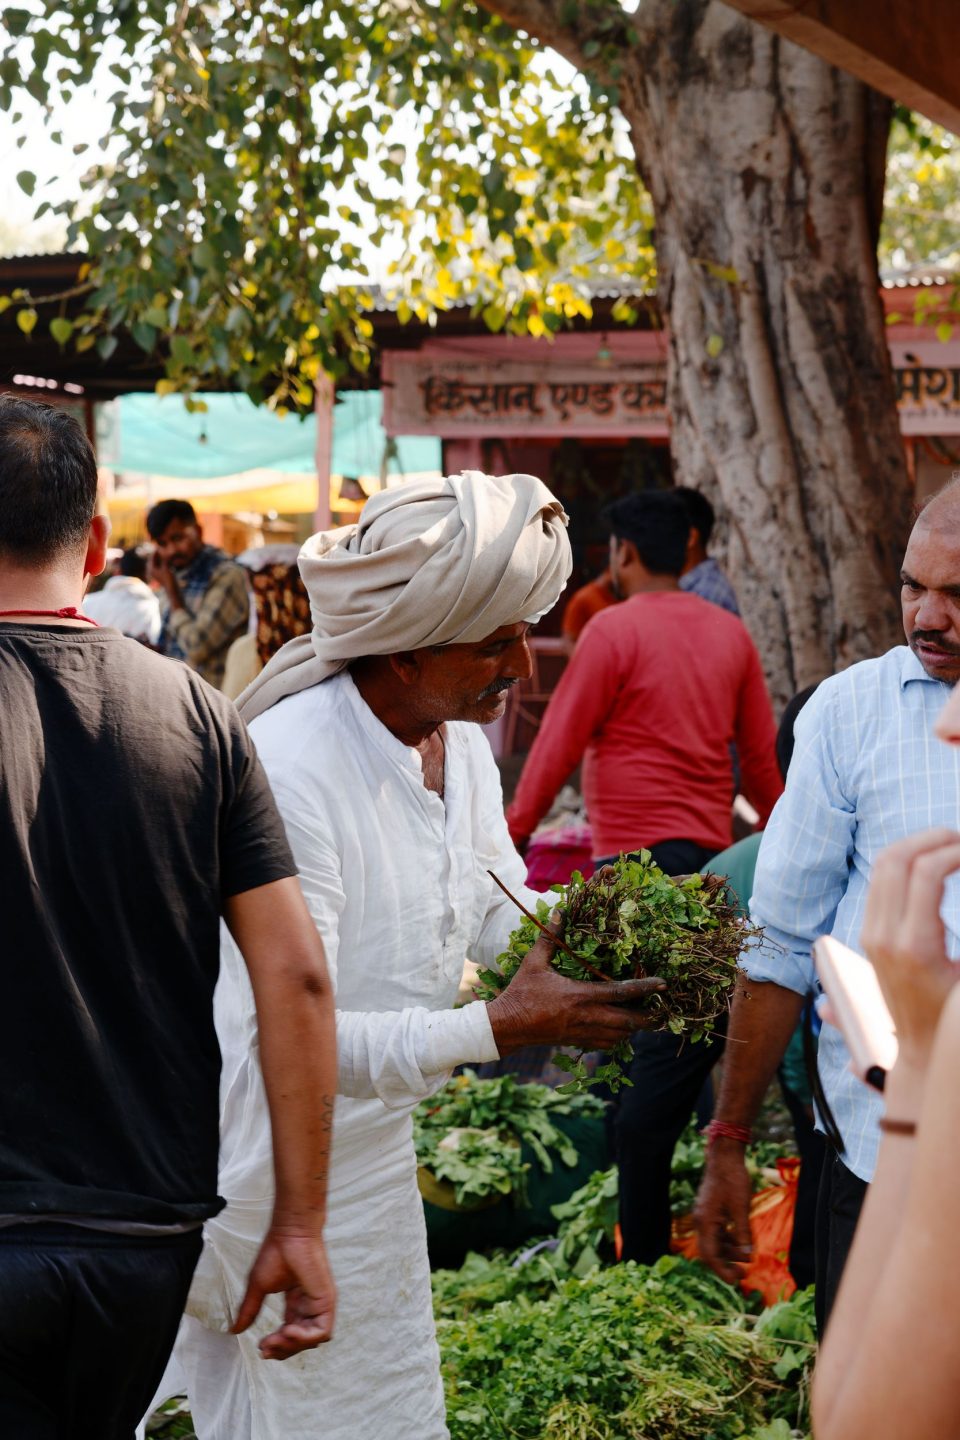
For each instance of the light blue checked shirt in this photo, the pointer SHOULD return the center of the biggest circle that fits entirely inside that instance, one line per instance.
(709, 582)
(866, 770)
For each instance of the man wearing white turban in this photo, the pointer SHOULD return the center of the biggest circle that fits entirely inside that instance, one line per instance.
(392, 805)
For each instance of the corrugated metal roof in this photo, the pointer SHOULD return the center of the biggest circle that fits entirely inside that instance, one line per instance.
(918, 277)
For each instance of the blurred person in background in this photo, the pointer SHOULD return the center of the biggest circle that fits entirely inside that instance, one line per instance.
(583, 604)
(655, 692)
(204, 605)
(701, 574)
(280, 610)
(126, 601)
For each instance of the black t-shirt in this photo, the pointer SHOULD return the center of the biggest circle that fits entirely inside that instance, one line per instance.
(132, 804)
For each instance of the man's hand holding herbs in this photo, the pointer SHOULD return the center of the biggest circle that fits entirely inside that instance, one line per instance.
(542, 1007)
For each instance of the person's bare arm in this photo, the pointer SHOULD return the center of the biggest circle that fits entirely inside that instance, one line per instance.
(295, 1017)
(763, 1018)
(886, 1370)
(802, 874)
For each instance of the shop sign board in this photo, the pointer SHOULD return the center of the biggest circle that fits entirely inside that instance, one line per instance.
(434, 395)
(468, 398)
(927, 377)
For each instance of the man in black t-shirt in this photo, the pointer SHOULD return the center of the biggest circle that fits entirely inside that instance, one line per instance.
(133, 815)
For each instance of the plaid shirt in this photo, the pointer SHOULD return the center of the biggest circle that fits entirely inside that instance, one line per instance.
(867, 770)
(709, 582)
(214, 613)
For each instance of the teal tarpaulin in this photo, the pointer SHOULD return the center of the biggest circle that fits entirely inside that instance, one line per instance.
(159, 436)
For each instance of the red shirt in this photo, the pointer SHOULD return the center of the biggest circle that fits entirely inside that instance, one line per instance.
(655, 692)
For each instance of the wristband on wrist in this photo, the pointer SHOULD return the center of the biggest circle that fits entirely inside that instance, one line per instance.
(897, 1127)
(719, 1129)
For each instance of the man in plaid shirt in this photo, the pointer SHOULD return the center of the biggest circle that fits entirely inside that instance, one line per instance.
(206, 603)
(701, 574)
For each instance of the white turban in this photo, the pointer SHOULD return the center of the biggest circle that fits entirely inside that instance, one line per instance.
(432, 562)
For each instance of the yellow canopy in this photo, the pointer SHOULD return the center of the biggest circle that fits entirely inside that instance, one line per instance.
(262, 491)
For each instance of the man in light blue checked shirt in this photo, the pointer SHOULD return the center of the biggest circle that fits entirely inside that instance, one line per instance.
(702, 575)
(867, 770)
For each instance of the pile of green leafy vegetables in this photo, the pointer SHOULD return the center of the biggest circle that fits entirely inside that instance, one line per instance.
(630, 920)
(666, 1352)
(552, 1343)
(470, 1133)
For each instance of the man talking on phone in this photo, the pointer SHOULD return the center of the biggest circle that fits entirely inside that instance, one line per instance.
(205, 601)
(866, 771)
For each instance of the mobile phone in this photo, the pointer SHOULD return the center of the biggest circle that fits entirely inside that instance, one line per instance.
(851, 985)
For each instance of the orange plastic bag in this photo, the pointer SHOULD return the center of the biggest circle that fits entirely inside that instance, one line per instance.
(771, 1223)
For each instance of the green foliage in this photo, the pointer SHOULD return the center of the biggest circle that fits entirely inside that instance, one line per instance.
(171, 1422)
(689, 1159)
(629, 921)
(257, 156)
(921, 216)
(470, 1133)
(625, 1353)
(921, 221)
(586, 1223)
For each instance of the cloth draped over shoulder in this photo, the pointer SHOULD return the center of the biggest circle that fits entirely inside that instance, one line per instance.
(432, 562)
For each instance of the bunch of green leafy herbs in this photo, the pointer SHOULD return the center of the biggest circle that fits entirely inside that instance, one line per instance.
(628, 921)
(620, 1353)
(471, 1132)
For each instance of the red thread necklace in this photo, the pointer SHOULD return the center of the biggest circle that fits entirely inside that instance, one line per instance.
(68, 612)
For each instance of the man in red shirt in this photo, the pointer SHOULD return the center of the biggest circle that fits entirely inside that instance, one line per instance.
(655, 692)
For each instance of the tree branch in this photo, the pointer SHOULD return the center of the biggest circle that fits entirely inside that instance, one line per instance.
(570, 28)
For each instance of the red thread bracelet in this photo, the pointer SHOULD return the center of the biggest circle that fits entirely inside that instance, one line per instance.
(719, 1129)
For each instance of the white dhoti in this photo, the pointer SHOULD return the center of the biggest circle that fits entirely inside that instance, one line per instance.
(397, 882)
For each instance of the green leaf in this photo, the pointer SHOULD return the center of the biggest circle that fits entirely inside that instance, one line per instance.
(181, 350)
(15, 21)
(145, 335)
(727, 273)
(61, 329)
(27, 181)
(944, 331)
(27, 319)
(714, 345)
(106, 346)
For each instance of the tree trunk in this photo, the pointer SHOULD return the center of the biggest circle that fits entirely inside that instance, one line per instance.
(761, 161)
(765, 168)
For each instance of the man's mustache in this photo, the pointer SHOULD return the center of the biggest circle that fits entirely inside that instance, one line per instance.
(496, 687)
(932, 637)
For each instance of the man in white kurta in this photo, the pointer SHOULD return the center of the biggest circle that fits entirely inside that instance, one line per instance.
(394, 858)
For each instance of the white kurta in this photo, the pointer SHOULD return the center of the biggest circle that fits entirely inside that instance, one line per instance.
(396, 880)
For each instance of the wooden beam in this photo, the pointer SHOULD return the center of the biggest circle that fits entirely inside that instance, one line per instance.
(905, 48)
